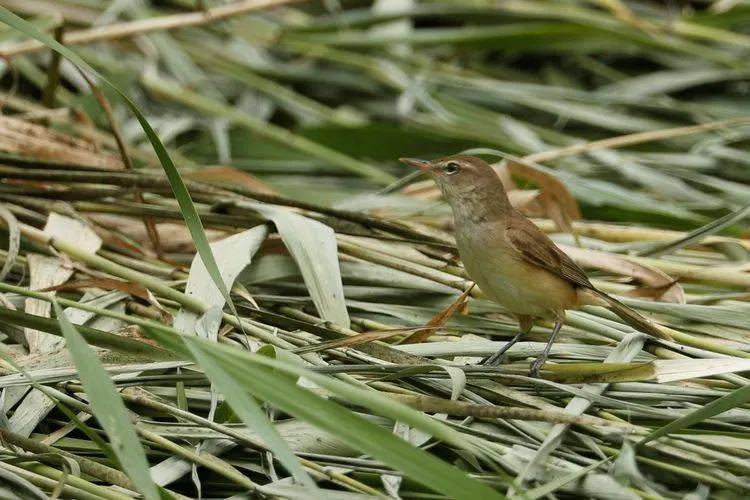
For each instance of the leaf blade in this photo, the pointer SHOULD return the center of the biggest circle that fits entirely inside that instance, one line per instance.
(109, 409)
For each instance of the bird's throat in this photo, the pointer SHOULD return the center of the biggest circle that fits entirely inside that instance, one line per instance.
(480, 205)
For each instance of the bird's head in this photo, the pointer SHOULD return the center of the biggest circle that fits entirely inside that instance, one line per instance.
(462, 179)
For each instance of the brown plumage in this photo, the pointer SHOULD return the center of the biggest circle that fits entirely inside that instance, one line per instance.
(513, 262)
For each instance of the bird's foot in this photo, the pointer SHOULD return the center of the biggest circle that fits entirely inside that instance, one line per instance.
(495, 360)
(499, 357)
(536, 368)
(542, 358)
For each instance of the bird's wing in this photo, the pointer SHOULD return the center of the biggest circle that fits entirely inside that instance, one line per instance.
(536, 248)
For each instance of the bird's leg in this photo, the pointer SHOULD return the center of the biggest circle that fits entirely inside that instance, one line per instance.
(497, 358)
(542, 358)
(525, 323)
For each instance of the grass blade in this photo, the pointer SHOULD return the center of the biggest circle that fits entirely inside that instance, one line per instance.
(109, 409)
(252, 415)
(268, 379)
(734, 399)
(698, 234)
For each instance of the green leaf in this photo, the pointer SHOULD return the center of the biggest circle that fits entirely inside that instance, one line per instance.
(268, 379)
(734, 399)
(109, 409)
(252, 415)
(698, 234)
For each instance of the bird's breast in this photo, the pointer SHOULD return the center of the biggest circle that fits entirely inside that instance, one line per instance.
(497, 267)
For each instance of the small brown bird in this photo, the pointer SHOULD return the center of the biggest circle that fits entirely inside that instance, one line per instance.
(514, 262)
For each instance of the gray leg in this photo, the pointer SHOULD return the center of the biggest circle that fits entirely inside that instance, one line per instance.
(543, 356)
(497, 358)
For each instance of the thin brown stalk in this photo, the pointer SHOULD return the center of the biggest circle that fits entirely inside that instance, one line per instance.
(53, 72)
(374, 348)
(459, 408)
(439, 320)
(227, 194)
(151, 230)
(360, 339)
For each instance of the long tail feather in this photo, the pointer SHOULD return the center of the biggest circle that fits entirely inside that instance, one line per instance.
(632, 318)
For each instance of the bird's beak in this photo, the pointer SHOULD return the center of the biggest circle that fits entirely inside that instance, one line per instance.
(422, 165)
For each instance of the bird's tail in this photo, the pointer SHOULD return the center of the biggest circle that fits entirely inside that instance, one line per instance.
(632, 318)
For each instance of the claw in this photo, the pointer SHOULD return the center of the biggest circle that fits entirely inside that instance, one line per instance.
(536, 368)
(499, 356)
(496, 359)
(537, 365)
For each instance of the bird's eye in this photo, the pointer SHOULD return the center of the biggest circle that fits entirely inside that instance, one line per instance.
(451, 168)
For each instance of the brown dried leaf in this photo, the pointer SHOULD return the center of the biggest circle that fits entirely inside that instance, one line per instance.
(555, 199)
(113, 239)
(229, 176)
(134, 289)
(175, 237)
(653, 278)
(651, 292)
(37, 141)
(506, 177)
(439, 320)
(362, 338)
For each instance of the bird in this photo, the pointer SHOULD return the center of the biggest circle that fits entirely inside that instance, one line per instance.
(514, 263)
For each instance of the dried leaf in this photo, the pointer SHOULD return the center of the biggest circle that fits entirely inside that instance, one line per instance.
(41, 143)
(14, 241)
(609, 262)
(228, 176)
(356, 340)
(44, 272)
(555, 199)
(134, 289)
(313, 247)
(232, 254)
(524, 199)
(439, 320)
(650, 292)
(175, 237)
